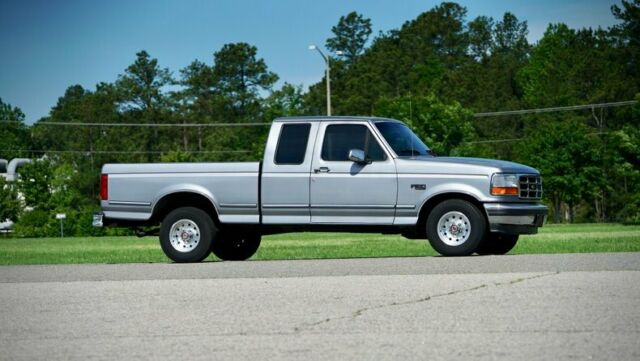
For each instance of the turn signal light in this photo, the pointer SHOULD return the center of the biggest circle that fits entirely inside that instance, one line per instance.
(504, 191)
(104, 187)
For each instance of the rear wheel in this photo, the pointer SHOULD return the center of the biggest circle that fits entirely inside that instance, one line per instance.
(455, 227)
(186, 234)
(236, 247)
(497, 243)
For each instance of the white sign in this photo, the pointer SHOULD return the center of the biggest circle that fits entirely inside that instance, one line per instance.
(61, 216)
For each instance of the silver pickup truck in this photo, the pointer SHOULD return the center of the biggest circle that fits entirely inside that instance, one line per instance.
(347, 174)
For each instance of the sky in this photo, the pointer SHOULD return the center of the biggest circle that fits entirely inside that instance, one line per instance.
(47, 46)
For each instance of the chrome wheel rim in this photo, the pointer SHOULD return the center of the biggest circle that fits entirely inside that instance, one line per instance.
(454, 228)
(184, 235)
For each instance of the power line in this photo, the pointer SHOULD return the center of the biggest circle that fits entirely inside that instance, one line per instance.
(120, 152)
(494, 141)
(163, 125)
(515, 139)
(265, 124)
(476, 115)
(556, 109)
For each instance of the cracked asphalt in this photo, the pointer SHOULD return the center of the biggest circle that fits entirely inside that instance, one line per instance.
(526, 307)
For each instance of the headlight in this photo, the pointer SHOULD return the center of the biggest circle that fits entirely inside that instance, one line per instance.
(504, 185)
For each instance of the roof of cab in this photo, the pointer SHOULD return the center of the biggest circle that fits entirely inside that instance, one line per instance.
(335, 118)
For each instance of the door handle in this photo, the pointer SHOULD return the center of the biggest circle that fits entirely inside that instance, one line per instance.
(321, 170)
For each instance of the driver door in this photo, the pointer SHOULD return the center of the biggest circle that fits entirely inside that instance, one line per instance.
(345, 192)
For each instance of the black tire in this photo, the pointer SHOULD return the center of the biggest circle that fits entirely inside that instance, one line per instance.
(196, 245)
(236, 247)
(497, 243)
(470, 226)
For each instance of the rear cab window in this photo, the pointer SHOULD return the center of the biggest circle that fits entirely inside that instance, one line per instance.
(292, 143)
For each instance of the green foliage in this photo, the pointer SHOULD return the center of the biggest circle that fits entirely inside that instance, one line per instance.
(36, 223)
(350, 36)
(35, 184)
(50, 188)
(176, 156)
(442, 126)
(284, 102)
(511, 34)
(10, 207)
(239, 75)
(14, 134)
(141, 84)
(480, 37)
(567, 155)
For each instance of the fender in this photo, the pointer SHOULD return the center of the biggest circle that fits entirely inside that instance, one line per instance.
(185, 188)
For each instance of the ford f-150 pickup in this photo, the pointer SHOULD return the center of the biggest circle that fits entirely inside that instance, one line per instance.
(348, 174)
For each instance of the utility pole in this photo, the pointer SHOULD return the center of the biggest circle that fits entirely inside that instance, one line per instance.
(327, 62)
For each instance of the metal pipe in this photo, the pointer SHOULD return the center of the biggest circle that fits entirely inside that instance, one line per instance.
(13, 167)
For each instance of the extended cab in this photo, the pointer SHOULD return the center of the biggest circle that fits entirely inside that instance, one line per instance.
(353, 174)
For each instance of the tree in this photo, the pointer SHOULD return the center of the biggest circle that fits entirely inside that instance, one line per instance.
(142, 83)
(350, 36)
(628, 35)
(443, 127)
(481, 37)
(10, 206)
(142, 96)
(35, 184)
(49, 188)
(239, 75)
(14, 138)
(511, 34)
(573, 67)
(195, 100)
(284, 102)
(630, 16)
(567, 155)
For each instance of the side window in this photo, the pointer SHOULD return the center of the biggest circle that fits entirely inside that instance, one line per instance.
(339, 139)
(292, 143)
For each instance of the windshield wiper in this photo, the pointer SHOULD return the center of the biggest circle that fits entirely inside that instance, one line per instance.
(409, 152)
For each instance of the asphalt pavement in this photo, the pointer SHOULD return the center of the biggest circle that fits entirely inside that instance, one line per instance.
(526, 307)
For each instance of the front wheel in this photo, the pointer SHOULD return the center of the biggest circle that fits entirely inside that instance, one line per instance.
(455, 227)
(186, 234)
(497, 243)
(236, 247)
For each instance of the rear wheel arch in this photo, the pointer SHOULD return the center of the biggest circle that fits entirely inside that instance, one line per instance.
(175, 200)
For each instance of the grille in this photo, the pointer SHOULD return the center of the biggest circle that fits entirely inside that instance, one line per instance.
(530, 187)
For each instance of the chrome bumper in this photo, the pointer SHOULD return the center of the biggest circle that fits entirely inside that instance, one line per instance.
(516, 218)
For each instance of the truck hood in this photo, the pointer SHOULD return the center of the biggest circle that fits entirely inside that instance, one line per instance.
(460, 165)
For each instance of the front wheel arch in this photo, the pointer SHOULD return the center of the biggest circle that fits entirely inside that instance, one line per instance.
(428, 206)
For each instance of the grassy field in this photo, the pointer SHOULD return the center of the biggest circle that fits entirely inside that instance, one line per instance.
(576, 238)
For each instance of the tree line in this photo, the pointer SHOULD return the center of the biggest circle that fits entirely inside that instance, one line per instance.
(434, 73)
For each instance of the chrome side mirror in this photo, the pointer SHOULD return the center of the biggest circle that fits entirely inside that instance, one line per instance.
(357, 156)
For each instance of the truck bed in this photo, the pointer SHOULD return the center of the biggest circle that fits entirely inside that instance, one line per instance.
(135, 189)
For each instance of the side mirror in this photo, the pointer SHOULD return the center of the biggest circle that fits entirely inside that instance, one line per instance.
(357, 156)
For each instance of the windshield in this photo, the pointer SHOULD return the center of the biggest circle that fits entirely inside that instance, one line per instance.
(403, 141)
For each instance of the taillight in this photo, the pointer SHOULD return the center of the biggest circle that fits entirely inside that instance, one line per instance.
(104, 187)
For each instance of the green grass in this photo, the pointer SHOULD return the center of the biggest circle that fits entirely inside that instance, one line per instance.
(578, 238)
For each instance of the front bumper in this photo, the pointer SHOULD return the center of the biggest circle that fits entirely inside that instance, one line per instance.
(516, 218)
